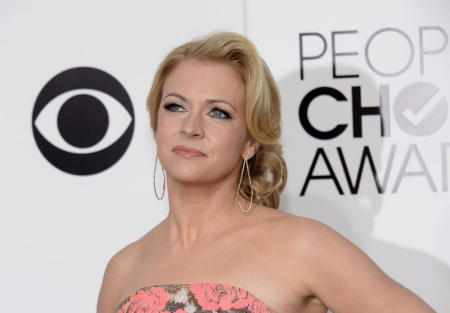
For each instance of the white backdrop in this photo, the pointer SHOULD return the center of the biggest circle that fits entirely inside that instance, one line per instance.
(58, 228)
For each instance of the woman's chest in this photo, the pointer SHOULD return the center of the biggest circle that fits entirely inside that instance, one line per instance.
(259, 273)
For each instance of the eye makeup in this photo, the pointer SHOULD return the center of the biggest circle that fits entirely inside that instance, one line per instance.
(171, 107)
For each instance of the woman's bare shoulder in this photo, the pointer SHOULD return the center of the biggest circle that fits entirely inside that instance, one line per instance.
(338, 272)
(297, 225)
(127, 256)
(113, 276)
(124, 257)
(118, 268)
(303, 240)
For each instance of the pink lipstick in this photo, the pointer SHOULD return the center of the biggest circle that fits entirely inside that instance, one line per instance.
(187, 152)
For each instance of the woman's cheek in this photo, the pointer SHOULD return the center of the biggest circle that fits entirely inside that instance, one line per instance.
(232, 141)
(165, 128)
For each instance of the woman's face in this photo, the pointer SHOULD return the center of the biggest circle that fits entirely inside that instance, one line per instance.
(203, 108)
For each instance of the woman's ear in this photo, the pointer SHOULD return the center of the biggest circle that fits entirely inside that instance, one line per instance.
(252, 147)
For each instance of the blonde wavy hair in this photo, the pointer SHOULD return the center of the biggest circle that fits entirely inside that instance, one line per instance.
(268, 170)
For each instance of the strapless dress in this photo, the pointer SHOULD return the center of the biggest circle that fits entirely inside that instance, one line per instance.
(190, 298)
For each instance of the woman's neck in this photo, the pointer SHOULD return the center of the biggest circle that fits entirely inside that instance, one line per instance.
(199, 212)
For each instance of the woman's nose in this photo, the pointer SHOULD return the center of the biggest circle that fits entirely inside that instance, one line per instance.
(192, 125)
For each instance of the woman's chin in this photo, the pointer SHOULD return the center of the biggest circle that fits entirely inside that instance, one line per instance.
(189, 177)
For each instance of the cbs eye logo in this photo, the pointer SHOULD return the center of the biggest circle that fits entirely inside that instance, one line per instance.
(83, 121)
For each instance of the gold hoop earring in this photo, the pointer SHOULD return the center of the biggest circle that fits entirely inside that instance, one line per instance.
(239, 186)
(154, 185)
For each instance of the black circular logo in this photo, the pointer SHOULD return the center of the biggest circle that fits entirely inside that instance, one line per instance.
(83, 121)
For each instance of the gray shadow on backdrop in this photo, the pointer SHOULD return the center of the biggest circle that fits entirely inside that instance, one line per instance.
(354, 215)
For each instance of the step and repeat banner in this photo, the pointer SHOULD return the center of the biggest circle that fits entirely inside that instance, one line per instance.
(365, 92)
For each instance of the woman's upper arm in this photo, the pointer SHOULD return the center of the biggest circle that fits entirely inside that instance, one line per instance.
(112, 281)
(346, 280)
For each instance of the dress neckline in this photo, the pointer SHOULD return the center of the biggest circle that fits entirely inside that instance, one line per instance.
(125, 301)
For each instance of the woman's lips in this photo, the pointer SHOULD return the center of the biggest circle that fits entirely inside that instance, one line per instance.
(187, 152)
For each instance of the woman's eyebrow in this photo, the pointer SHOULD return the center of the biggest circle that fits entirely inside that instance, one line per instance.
(219, 100)
(175, 95)
(209, 101)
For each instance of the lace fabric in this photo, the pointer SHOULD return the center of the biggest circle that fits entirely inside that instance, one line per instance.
(192, 298)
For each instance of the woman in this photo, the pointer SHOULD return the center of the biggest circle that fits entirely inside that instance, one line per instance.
(224, 247)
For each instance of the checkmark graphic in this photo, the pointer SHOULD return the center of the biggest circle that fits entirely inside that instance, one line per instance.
(420, 109)
(415, 117)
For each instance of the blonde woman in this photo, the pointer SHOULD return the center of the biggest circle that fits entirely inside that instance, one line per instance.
(224, 247)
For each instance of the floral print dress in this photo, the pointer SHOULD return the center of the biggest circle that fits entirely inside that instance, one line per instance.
(192, 298)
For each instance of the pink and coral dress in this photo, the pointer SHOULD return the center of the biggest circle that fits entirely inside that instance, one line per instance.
(190, 298)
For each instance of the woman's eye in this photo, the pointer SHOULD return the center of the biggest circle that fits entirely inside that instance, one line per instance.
(220, 114)
(216, 113)
(173, 107)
